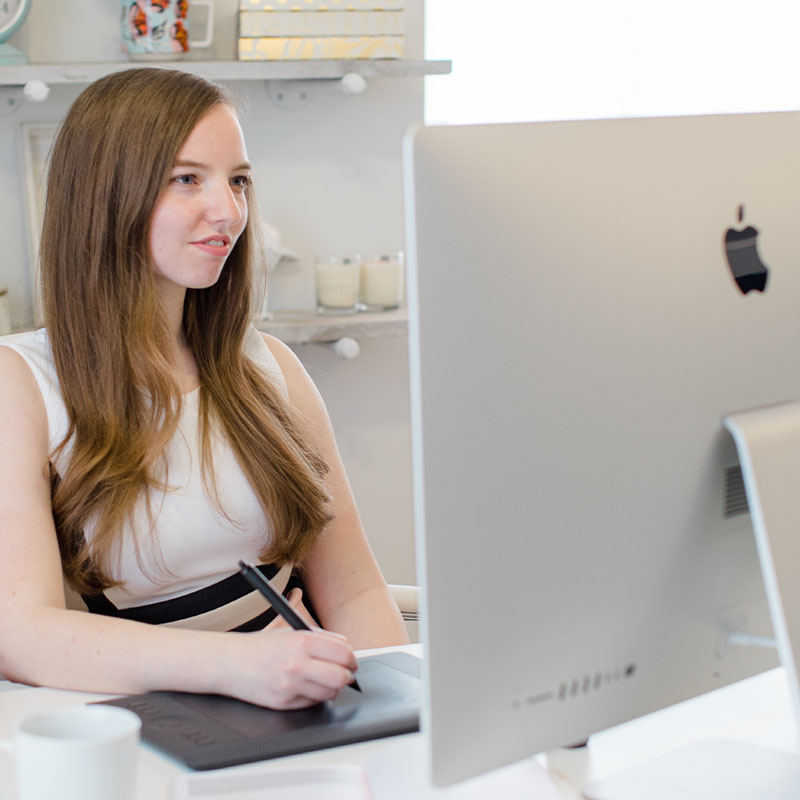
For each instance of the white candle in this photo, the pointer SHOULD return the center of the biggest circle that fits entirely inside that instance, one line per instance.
(337, 285)
(382, 281)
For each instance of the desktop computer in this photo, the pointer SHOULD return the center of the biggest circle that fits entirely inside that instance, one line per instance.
(587, 301)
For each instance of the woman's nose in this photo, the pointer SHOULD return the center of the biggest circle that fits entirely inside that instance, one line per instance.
(225, 205)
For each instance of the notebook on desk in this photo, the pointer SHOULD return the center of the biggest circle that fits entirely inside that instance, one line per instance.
(211, 731)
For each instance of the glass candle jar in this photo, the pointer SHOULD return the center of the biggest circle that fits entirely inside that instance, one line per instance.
(382, 281)
(337, 282)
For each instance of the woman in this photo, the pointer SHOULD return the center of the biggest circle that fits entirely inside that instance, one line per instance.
(150, 437)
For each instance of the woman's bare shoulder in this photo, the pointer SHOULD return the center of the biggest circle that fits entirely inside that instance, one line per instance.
(21, 401)
(294, 372)
(15, 373)
(303, 393)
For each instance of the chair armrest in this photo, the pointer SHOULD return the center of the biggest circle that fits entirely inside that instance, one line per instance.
(406, 599)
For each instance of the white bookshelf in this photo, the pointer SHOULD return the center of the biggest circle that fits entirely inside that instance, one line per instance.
(52, 74)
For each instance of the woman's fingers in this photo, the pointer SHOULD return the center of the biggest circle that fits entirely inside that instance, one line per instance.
(281, 668)
(330, 646)
(316, 665)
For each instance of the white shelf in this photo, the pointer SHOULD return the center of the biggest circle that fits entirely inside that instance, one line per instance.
(301, 327)
(12, 75)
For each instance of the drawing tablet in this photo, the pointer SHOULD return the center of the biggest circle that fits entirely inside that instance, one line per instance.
(207, 731)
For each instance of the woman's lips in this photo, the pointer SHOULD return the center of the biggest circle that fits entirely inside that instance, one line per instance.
(214, 245)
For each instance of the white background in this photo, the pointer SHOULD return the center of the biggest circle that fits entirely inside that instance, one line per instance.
(518, 60)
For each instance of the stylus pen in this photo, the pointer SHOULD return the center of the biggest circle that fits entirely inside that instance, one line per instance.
(258, 581)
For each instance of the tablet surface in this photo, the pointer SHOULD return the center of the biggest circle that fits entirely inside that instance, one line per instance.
(211, 731)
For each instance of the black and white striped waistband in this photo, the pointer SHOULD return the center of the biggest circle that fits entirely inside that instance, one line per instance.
(227, 605)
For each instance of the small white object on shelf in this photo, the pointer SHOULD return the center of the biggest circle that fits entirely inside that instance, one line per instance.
(347, 348)
(36, 91)
(353, 83)
(275, 250)
(275, 253)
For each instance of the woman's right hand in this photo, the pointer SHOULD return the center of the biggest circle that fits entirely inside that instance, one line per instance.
(282, 668)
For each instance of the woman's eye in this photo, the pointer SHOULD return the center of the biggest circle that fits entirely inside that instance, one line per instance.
(184, 180)
(240, 181)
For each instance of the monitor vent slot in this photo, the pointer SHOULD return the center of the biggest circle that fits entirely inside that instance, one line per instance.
(735, 501)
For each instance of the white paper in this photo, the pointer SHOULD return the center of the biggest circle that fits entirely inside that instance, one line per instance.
(332, 782)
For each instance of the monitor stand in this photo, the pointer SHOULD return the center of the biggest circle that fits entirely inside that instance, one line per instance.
(399, 771)
(768, 442)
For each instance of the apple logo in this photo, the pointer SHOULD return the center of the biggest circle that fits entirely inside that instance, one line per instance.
(741, 249)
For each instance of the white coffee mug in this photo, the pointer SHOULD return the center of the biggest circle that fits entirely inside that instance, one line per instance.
(84, 753)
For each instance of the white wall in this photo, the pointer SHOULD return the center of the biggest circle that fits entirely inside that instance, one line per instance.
(583, 58)
(329, 177)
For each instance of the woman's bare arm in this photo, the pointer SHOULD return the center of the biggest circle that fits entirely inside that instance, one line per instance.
(343, 579)
(41, 642)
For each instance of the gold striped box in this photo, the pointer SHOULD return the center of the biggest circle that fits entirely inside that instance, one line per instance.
(321, 23)
(307, 48)
(321, 5)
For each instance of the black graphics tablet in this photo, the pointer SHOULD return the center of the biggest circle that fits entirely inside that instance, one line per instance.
(205, 731)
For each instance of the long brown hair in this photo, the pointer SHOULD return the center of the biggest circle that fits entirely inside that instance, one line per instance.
(111, 159)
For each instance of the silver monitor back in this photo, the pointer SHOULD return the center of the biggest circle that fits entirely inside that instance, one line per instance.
(577, 330)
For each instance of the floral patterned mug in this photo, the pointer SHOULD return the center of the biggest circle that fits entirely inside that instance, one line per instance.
(157, 30)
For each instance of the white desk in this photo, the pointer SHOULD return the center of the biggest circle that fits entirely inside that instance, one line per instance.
(756, 711)
(156, 772)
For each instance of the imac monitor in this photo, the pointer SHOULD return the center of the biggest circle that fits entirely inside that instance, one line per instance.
(587, 299)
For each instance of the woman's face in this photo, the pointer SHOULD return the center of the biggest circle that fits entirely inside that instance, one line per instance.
(203, 210)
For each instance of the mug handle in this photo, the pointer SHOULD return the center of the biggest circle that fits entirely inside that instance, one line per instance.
(209, 35)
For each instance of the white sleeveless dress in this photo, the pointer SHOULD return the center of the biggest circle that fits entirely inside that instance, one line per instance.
(190, 579)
